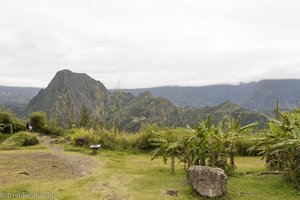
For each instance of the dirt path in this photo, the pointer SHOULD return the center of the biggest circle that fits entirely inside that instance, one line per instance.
(18, 166)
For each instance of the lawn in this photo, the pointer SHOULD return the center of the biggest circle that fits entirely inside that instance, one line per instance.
(119, 175)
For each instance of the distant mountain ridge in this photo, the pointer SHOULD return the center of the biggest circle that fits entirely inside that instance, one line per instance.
(17, 98)
(22, 95)
(68, 92)
(260, 96)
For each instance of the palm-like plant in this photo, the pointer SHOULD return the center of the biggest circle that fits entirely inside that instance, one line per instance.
(207, 144)
(234, 130)
(164, 149)
(199, 142)
(281, 145)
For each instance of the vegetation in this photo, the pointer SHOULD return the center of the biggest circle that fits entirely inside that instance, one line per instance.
(206, 145)
(8, 123)
(84, 116)
(281, 145)
(113, 141)
(20, 139)
(38, 121)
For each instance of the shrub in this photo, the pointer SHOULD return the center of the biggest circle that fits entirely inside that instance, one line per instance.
(83, 137)
(140, 140)
(18, 126)
(243, 144)
(38, 121)
(20, 139)
(9, 124)
(108, 140)
(52, 129)
(281, 145)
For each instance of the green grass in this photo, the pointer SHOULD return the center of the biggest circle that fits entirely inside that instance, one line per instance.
(122, 175)
(246, 165)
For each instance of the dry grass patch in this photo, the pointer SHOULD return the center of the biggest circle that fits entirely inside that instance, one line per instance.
(17, 167)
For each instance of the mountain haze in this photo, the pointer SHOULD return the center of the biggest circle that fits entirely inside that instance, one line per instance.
(17, 98)
(259, 96)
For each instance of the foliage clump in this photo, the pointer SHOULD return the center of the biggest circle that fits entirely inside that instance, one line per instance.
(281, 145)
(39, 123)
(20, 139)
(9, 124)
(207, 144)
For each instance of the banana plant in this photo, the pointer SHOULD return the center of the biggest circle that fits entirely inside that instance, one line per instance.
(164, 149)
(234, 131)
(281, 145)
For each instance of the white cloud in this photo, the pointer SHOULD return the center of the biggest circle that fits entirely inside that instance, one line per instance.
(149, 43)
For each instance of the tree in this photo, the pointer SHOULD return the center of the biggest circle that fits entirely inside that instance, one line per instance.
(84, 116)
(71, 117)
(116, 111)
(96, 121)
(38, 121)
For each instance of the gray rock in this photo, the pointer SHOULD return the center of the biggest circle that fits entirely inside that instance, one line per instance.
(207, 181)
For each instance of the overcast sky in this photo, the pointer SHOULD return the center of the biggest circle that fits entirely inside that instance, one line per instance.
(149, 43)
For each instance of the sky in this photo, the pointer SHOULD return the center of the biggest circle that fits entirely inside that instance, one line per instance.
(148, 43)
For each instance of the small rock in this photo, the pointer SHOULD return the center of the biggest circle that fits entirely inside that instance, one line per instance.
(171, 192)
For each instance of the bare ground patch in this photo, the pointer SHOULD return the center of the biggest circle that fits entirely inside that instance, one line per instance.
(17, 167)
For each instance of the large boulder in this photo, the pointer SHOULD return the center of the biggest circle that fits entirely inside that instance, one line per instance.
(207, 181)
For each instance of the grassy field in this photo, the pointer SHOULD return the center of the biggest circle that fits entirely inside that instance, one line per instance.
(119, 175)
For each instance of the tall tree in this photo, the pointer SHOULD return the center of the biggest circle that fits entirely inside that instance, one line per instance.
(72, 117)
(116, 111)
(84, 116)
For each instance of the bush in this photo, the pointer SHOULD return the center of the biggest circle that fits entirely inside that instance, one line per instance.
(82, 137)
(120, 141)
(108, 140)
(243, 144)
(9, 124)
(38, 121)
(18, 126)
(141, 140)
(20, 139)
(52, 129)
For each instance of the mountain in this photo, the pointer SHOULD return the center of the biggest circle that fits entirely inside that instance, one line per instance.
(146, 108)
(68, 92)
(17, 98)
(260, 96)
(218, 113)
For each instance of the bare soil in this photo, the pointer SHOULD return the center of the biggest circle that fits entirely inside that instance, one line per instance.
(19, 166)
